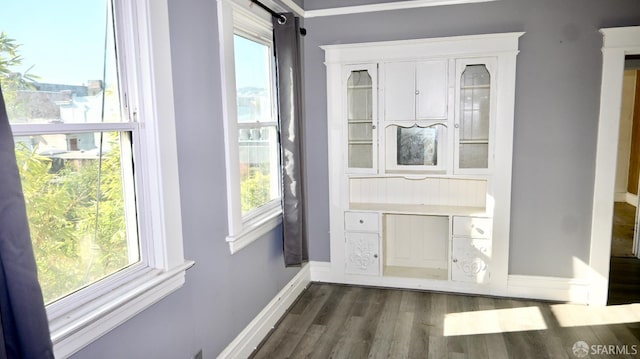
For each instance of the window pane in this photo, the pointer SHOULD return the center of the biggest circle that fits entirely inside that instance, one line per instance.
(258, 167)
(76, 204)
(57, 62)
(58, 66)
(253, 81)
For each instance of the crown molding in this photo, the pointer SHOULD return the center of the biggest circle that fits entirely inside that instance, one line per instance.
(387, 6)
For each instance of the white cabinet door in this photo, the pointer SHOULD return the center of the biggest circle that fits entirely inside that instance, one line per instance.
(415, 90)
(475, 114)
(471, 258)
(399, 91)
(362, 253)
(361, 114)
(431, 90)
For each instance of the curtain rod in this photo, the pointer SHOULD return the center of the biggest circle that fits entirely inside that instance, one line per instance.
(281, 18)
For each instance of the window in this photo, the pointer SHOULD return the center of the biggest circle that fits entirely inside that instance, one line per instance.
(88, 114)
(256, 123)
(251, 135)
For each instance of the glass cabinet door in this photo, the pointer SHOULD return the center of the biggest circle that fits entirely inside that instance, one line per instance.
(473, 123)
(361, 119)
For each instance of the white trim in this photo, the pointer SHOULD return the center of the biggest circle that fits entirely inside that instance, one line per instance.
(519, 286)
(617, 42)
(84, 325)
(253, 334)
(387, 6)
(631, 199)
(548, 288)
(253, 231)
(26, 129)
(320, 271)
(485, 45)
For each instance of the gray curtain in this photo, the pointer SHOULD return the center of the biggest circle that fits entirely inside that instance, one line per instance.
(286, 30)
(25, 328)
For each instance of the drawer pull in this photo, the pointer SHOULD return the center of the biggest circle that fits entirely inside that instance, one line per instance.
(361, 221)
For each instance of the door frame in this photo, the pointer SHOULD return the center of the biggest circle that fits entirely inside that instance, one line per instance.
(617, 43)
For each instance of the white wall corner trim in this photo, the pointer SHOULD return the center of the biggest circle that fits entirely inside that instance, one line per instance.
(570, 290)
(253, 334)
(320, 271)
(386, 6)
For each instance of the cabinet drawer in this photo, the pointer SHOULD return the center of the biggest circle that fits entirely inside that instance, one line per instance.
(474, 227)
(361, 221)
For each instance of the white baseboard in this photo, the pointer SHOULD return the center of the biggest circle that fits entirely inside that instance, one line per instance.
(320, 271)
(548, 288)
(246, 342)
(627, 197)
(631, 198)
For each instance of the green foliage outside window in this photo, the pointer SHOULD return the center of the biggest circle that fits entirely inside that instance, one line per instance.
(78, 231)
(255, 189)
(76, 211)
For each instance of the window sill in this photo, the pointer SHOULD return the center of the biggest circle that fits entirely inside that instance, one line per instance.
(255, 229)
(76, 329)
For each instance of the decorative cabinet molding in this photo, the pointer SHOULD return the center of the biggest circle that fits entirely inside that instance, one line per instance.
(420, 150)
(470, 260)
(362, 253)
(362, 243)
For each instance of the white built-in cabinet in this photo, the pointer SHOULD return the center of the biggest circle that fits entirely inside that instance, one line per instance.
(420, 143)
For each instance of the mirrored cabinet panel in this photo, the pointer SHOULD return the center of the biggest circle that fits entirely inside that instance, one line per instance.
(361, 119)
(414, 147)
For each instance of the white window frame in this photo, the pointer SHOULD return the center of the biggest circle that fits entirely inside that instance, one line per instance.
(145, 66)
(255, 24)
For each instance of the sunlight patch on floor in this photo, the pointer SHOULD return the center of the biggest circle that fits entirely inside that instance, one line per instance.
(494, 321)
(572, 315)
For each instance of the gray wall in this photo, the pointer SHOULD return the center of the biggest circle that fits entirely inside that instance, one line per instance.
(556, 114)
(223, 293)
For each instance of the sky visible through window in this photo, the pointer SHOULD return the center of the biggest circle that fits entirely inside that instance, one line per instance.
(66, 51)
(58, 42)
(250, 57)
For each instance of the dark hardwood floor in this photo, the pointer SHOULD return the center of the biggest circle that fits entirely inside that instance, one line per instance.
(338, 321)
(624, 274)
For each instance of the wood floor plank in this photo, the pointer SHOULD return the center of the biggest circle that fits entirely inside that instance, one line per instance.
(339, 321)
(383, 337)
(335, 324)
(286, 336)
(421, 327)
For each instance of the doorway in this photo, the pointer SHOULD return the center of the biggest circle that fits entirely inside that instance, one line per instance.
(624, 274)
(618, 44)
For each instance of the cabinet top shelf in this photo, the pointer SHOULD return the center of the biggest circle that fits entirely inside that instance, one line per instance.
(471, 87)
(419, 209)
(359, 87)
